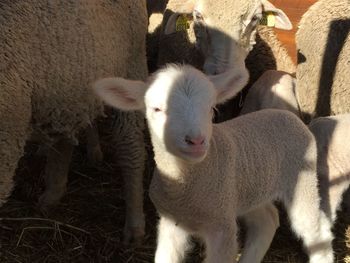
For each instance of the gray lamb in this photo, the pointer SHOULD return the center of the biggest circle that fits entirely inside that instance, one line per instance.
(51, 52)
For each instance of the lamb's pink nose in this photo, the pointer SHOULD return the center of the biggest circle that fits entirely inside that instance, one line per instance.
(195, 140)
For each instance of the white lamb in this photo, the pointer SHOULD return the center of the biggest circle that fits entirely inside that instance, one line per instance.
(333, 150)
(273, 90)
(276, 90)
(209, 174)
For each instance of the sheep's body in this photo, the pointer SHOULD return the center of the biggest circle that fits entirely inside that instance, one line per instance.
(273, 90)
(50, 54)
(323, 72)
(180, 47)
(207, 175)
(333, 160)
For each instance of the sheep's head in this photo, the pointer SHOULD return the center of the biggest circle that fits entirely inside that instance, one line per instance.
(225, 29)
(178, 102)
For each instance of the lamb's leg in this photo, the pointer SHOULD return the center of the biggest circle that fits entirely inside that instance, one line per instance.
(14, 131)
(261, 225)
(56, 172)
(94, 152)
(172, 243)
(130, 159)
(221, 243)
(308, 221)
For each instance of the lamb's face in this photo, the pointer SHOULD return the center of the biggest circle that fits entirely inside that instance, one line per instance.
(226, 29)
(178, 103)
(225, 32)
(179, 109)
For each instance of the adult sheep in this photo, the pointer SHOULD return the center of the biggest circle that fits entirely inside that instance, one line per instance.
(50, 53)
(323, 71)
(224, 36)
(208, 174)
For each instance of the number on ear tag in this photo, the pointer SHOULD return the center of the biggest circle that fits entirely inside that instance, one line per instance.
(268, 19)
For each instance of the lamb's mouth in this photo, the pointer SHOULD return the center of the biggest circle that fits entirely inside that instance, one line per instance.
(194, 152)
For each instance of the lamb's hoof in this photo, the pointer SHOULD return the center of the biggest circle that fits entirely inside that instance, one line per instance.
(133, 235)
(95, 155)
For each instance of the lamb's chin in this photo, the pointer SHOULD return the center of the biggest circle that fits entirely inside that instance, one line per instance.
(192, 156)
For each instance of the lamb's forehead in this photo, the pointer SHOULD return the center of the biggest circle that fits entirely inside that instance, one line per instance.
(179, 81)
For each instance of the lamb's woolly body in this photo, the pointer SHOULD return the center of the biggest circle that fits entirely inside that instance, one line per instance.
(273, 90)
(250, 163)
(209, 174)
(333, 159)
(50, 53)
(184, 188)
(323, 72)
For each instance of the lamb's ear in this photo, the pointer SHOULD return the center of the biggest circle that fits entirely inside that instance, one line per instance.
(178, 21)
(229, 83)
(280, 19)
(121, 93)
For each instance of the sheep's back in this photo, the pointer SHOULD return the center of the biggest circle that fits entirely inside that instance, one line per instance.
(323, 72)
(266, 150)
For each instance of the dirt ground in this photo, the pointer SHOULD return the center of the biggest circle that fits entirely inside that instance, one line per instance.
(87, 225)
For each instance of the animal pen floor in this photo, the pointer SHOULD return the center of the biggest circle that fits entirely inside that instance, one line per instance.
(87, 225)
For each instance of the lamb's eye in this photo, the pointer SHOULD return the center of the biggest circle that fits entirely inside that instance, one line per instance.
(197, 15)
(156, 109)
(256, 18)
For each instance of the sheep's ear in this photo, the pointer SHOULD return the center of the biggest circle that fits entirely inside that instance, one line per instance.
(229, 83)
(121, 93)
(178, 21)
(277, 17)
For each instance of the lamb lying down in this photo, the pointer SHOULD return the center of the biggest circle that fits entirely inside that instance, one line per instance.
(209, 174)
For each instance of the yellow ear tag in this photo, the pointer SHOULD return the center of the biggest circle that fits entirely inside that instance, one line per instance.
(182, 23)
(268, 19)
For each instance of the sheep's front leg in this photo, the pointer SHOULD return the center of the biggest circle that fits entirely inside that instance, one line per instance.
(93, 147)
(172, 242)
(56, 172)
(261, 225)
(128, 140)
(221, 243)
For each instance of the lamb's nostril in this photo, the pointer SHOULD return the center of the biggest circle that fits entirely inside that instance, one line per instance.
(195, 140)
